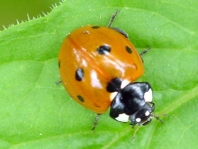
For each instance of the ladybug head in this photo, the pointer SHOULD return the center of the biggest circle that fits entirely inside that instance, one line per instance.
(143, 116)
(133, 103)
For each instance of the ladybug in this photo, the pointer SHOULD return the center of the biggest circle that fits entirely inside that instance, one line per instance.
(98, 66)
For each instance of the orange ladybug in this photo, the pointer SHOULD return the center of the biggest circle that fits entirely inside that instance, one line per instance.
(98, 66)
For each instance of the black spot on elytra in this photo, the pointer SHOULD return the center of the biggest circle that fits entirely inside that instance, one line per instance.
(59, 64)
(95, 27)
(104, 49)
(79, 74)
(114, 85)
(128, 49)
(80, 98)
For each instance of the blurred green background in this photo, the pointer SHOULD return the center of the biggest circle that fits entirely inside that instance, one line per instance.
(12, 10)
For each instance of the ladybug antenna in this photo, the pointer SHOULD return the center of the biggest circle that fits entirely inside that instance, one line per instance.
(158, 118)
(137, 128)
(112, 18)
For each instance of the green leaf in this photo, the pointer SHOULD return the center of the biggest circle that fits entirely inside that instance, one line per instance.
(37, 113)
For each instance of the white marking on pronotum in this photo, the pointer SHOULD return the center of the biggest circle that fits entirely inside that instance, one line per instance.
(138, 120)
(147, 113)
(148, 96)
(122, 118)
(112, 95)
(124, 83)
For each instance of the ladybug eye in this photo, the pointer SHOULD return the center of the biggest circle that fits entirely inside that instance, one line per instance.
(147, 121)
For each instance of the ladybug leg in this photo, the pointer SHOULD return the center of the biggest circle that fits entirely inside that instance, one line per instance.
(95, 121)
(58, 82)
(136, 130)
(144, 52)
(158, 118)
(112, 18)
